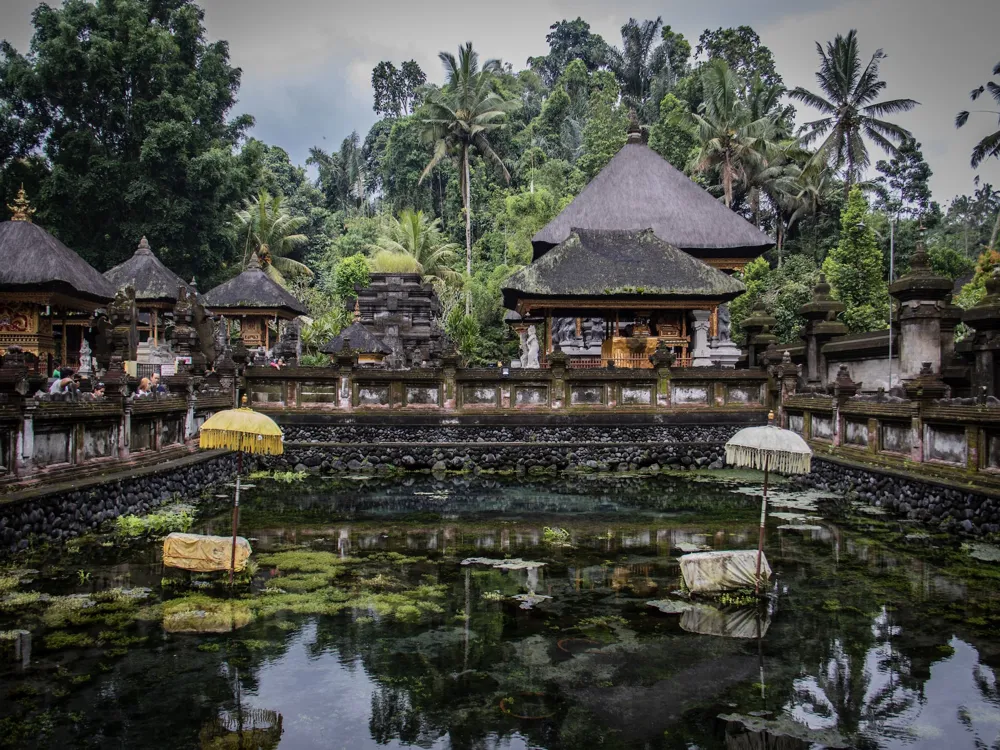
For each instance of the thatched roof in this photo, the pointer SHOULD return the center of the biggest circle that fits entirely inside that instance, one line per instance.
(622, 264)
(31, 259)
(253, 289)
(356, 338)
(639, 189)
(152, 281)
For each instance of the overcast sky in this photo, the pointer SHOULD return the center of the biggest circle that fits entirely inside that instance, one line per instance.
(307, 63)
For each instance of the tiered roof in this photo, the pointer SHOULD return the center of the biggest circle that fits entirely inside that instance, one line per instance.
(253, 290)
(152, 281)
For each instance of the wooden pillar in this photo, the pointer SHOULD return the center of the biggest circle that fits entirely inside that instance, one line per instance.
(154, 314)
(63, 345)
(267, 334)
(548, 332)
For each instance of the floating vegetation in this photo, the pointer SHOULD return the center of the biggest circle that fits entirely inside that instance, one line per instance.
(800, 527)
(786, 727)
(670, 606)
(60, 639)
(513, 563)
(20, 600)
(155, 524)
(527, 705)
(984, 552)
(288, 477)
(741, 598)
(493, 596)
(62, 610)
(303, 561)
(556, 536)
(198, 613)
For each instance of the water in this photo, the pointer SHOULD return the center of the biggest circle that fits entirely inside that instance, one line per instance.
(362, 629)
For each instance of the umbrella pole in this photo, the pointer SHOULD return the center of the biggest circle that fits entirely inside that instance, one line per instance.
(236, 519)
(763, 519)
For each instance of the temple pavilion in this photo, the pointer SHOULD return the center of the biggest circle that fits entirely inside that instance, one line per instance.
(642, 256)
(48, 293)
(253, 298)
(156, 289)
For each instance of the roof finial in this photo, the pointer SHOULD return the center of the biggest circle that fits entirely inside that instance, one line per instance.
(254, 262)
(357, 310)
(144, 247)
(21, 210)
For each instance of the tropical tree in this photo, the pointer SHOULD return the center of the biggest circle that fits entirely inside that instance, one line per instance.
(990, 145)
(459, 118)
(639, 61)
(729, 140)
(850, 108)
(263, 226)
(416, 241)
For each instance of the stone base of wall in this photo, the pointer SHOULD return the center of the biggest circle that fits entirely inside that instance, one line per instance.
(540, 433)
(936, 505)
(59, 516)
(528, 457)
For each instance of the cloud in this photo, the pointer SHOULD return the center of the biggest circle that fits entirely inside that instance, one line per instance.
(307, 63)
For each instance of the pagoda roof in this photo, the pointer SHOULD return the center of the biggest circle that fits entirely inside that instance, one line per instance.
(253, 290)
(618, 264)
(639, 189)
(32, 260)
(152, 281)
(356, 338)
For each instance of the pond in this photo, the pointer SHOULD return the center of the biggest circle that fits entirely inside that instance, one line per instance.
(359, 626)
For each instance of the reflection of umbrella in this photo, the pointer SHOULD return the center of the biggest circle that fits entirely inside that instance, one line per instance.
(242, 430)
(768, 448)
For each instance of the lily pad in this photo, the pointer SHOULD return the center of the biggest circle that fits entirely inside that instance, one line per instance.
(984, 552)
(669, 606)
(528, 601)
(786, 727)
(514, 563)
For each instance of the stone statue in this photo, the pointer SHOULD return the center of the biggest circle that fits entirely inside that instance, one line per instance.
(724, 324)
(86, 358)
(529, 359)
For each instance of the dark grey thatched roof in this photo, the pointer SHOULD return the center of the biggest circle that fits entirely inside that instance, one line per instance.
(152, 281)
(31, 259)
(640, 189)
(618, 264)
(253, 289)
(357, 338)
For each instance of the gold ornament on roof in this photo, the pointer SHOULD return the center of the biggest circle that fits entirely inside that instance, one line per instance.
(21, 210)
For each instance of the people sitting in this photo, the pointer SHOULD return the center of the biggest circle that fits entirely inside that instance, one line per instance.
(278, 363)
(155, 385)
(95, 395)
(143, 389)
(64, 383)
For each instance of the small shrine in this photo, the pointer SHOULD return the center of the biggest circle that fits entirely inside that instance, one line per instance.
(255, 300)
(156, 289)
(356, 338)
(402, 312)
(48, 293)
(642, 258)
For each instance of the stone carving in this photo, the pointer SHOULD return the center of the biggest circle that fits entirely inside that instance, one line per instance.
(122, 314)
(86, 358)
(529, 357)
(184, 336)
(289, 346)
(724, 324)
(582, 339)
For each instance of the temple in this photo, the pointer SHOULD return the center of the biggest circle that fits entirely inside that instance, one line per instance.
(253, 298)
(48, 293)
(641, 258)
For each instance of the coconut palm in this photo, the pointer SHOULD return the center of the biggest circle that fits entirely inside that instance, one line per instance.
(640, 60)
(851, 112)
(990, 145)
(730, 141)
(266, 228)
(415, 242)
(460, 117)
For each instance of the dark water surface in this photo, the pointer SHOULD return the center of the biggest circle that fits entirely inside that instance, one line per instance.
(362, 629)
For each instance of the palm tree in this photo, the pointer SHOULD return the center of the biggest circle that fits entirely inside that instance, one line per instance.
(730, 140)
(460, 116)
(850, 109)
(266, 228)
(990, 145)
(418, 243)
(639, 61)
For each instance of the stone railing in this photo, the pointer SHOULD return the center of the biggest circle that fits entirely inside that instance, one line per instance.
(950, 440)
(59, 439)
(477, 391)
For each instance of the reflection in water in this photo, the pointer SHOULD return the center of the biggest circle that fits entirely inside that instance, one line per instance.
(864, 643)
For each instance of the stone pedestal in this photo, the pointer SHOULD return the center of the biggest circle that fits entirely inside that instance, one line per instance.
(725, 353)
(985, 346)
(821, 326)
(701, 353)
(921, 294)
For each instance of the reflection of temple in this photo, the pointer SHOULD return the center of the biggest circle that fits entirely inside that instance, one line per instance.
(640, 258)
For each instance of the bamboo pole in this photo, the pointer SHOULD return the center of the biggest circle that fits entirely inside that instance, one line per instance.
(763, 520)
(236, 518)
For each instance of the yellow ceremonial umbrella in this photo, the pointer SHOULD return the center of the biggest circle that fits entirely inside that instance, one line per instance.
(768, 448)
(246, 431)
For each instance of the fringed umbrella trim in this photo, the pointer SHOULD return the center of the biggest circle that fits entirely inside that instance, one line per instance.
(242, 441)
(780, 461)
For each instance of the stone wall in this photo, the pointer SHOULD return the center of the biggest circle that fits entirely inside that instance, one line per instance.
(528, 457)
(62, 515)
(422, 434)
(948, 508)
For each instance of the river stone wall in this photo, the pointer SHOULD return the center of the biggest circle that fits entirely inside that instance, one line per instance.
(527, 457)
(422, 434)
(950, 509)
(61, 516)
